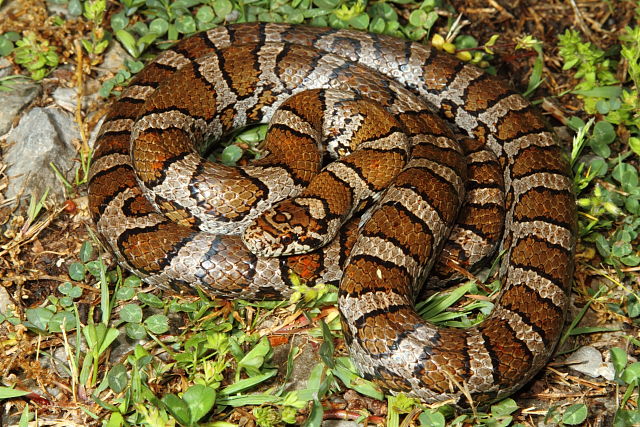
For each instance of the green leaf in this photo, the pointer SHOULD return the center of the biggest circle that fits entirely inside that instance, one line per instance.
(634, 144)
(39, 317)
(254, 359)
(626, 418)
(10, 393)
(178, 408)
(60, 319)
(128, 42)
(360, 22)
(631, 373)
(200, 400)
(248, 383)
(345, 370)
(627, 175)
(575, 414)
(109, 336)
(431, 419)
(600, 92)
(230, 155)
(132, 282)
(136, 331)
(77, 271)
(633, 306)
(6, 46)
(222, 8)
(158, 323)
(185, 24)
(327, 4)
(125, 293)
(119, 21)
(327, 348)
(604, 132)
(25, 416)
(504, 407)
(131, 313)
(118, 378)
(74, 8)
(94, 268)
(151, 300)
(618, 358)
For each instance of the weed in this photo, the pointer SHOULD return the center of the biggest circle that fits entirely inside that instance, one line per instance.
(36, 56)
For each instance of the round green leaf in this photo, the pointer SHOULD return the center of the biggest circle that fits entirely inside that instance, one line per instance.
(432, 419)
(61, 318)
(205, 14)
(466, 42)
(131, 313)
(6, 46)
(136, 331)
(178, 408)
(222, 8)
(418, 17)
(200, 400)
(158, 323)
(575, 414)
(185, 24)
(631, 373)
(159, 26)
(360, 22)
(74, 8)
(504, 407)
(94, 268)
(604, 132)
(125, 293)
(119, 21)
(77, 271)
(132, 282)
(65, 288)
(627, 175)
(118, 378)
(231, 154)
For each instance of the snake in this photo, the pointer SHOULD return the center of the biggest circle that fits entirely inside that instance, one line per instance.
(428, 130)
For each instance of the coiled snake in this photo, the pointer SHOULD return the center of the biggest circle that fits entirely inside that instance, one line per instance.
(145, 163)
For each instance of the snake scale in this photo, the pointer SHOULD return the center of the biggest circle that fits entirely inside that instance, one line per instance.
(177, 220)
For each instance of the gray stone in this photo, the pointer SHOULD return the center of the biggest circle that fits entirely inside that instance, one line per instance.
(6, 67)
(67, 98)
(21, 95)
(588, 360)
(43, 136)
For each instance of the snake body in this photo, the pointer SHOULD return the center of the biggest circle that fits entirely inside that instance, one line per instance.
(175, 219)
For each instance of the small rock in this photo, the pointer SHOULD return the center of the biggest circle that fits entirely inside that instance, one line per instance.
(43, 136)
(588, 360)
(6, 304)
(67, 98)
(14, 101)
(6, 67)
(114, 58)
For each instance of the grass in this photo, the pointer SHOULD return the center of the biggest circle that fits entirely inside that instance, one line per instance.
(210, 362)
